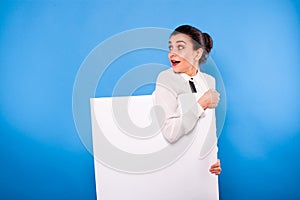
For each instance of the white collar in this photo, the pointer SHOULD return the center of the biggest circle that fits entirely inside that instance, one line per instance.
(195, 78)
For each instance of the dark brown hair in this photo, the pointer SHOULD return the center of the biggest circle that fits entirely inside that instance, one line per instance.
(199, 39)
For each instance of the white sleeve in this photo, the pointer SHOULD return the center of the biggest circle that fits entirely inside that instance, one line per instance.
(200, 110)
(181, 115)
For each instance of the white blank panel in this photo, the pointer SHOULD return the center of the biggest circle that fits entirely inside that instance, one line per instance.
(187, 178)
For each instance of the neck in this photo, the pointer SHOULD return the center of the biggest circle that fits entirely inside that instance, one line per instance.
(192, 72)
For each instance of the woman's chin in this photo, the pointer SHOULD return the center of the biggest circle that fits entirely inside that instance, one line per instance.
(176, 70)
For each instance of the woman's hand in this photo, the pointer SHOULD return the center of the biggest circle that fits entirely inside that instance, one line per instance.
(216, 168)
(209, 99)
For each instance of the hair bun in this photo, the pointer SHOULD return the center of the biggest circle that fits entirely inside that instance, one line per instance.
(208, 42)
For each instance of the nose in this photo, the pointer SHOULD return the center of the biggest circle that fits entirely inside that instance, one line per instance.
(171, 53)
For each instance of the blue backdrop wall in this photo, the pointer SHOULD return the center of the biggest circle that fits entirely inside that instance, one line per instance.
(43, 43)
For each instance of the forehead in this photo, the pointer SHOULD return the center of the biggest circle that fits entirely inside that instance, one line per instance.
(180, 37)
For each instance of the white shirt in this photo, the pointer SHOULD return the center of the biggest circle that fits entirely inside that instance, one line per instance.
(199, 81)
(201, 87)
(180, 118)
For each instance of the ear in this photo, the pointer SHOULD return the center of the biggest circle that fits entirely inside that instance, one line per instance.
(199, 53)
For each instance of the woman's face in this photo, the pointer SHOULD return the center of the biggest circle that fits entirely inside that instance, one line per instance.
(182, 56)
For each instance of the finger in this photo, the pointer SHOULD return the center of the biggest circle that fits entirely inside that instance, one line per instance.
(216, 101)
(217, 164)
(216, 171)
(216, 95)
(215, 167)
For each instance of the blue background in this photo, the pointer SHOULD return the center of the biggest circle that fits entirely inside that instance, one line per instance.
(43, 43)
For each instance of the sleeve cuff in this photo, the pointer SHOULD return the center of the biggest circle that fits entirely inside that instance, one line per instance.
(200, 111)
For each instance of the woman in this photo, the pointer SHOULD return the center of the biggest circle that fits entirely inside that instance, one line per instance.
(188, 49)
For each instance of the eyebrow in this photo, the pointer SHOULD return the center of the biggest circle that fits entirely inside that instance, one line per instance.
(178, 41)
(181, 41)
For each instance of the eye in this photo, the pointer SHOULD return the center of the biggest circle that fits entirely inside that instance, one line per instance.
(180, 47)
(170, 47)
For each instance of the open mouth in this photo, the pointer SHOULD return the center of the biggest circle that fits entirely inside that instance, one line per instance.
(175, 62)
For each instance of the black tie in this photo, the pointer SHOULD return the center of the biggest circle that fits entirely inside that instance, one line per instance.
(192, 85)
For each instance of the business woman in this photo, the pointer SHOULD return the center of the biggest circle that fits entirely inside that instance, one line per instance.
(188, 49)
